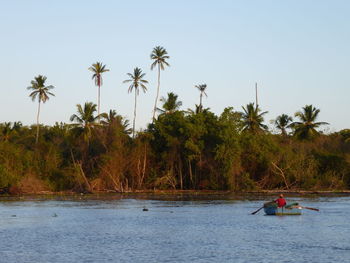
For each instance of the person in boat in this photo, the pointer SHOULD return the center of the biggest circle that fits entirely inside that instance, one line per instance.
(281, 202)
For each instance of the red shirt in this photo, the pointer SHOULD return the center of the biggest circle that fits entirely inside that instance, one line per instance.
(281, 202)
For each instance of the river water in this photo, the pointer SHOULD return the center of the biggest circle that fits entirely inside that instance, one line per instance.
(181, 230)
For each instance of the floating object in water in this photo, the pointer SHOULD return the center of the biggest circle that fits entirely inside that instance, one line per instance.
(13, 216)
(54, 215)
(145, 209)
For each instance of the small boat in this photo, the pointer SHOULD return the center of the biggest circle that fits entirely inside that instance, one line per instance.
(271, 208)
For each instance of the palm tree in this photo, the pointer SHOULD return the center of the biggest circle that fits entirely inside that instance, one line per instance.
(201, 88)
(306, 128)
(159, 56)
(136, 81)
(109, 117)
(345, 135)
(282, 122)
(98, 68)
(17, 126)
(170, 104)
(113, 118)
(42, 92)
(253, 119)
(7, 129)
(198, 109)
(85, 119)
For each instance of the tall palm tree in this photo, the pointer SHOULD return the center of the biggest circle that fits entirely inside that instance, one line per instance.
(253, 119)
(136, 82)
(202, 89)
(159, 56)
(42, 92)
(170, 104)
(306, 128)
(283, 122)
(85, 119)
(98, 68)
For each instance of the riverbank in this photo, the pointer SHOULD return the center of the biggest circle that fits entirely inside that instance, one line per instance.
(171, 195)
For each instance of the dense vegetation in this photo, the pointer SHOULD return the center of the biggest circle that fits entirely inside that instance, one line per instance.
(193, 149)
(180, 150)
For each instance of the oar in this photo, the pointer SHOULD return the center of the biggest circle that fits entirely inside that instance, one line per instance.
(257, 210)
(310, 208)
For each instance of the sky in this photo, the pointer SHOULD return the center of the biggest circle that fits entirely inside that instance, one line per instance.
(298, 51)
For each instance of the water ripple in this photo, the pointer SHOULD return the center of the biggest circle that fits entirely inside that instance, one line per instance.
(171, 231)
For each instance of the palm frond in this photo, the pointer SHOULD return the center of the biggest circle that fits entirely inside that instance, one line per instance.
(98, 68)
(39, 90)
(305, 129)
(144, 88)
(159, 55)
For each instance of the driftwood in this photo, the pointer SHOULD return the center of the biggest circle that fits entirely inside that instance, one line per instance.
(117, 187)
(79, 168)
(281, 173)
(82, 174)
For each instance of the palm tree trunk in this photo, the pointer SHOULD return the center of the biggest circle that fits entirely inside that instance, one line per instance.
(37, 124)
(200, 100)
(155, 103)
(180, 174)
(284, 132)
(133, 125)
(144, 166)
(190, 172)
(98, 106)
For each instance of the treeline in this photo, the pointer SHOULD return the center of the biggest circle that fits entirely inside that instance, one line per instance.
(193, 149)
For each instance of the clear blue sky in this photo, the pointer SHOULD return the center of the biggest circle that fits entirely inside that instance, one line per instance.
(297, 51)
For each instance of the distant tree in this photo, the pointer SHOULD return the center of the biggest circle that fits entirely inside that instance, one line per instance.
(306, 128)
(159, 56)
(345, 134)
(170, 104)
(17, 126)
(113, 118)
(197, 109)
(253, 119)
(42, 92)
(98, 68)
(201, 89)
(7, 129)
(109, 117)
(227, 152)
(283, 122)
(85, 119)
(136, 82)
